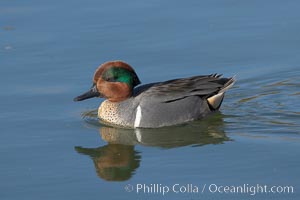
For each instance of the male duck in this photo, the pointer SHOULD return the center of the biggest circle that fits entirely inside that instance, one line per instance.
(156, 104)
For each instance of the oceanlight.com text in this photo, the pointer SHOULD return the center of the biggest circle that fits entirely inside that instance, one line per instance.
(248, 189)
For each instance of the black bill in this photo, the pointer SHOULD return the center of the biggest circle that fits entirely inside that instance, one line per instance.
(93, 92)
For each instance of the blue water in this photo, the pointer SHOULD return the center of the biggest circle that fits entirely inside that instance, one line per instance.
(53, 148)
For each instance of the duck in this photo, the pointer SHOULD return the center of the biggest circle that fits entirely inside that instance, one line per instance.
(153, 105)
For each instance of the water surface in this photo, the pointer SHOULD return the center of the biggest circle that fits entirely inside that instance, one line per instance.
(50, 148)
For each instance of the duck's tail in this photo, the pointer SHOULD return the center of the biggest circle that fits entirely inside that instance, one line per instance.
(216, 100)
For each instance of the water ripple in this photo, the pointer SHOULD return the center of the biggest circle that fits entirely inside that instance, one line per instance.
(265, 104)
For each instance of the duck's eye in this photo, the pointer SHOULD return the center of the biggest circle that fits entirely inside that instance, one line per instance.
(111, 79)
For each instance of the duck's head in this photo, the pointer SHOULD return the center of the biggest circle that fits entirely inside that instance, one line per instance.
(113, 80)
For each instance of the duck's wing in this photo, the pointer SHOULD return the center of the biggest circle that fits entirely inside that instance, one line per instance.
(173, 90)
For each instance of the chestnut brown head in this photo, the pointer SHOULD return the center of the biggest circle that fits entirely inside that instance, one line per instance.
(113, 80)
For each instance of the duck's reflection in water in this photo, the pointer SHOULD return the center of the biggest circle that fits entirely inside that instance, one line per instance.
(118, 160)
(113, 162)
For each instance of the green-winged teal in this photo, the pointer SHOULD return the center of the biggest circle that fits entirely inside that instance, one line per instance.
(156, 104)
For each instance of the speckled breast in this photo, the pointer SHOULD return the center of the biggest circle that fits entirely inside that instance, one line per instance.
(109, 112)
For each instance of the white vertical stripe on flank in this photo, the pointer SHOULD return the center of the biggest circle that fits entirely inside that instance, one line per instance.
(138, 117)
